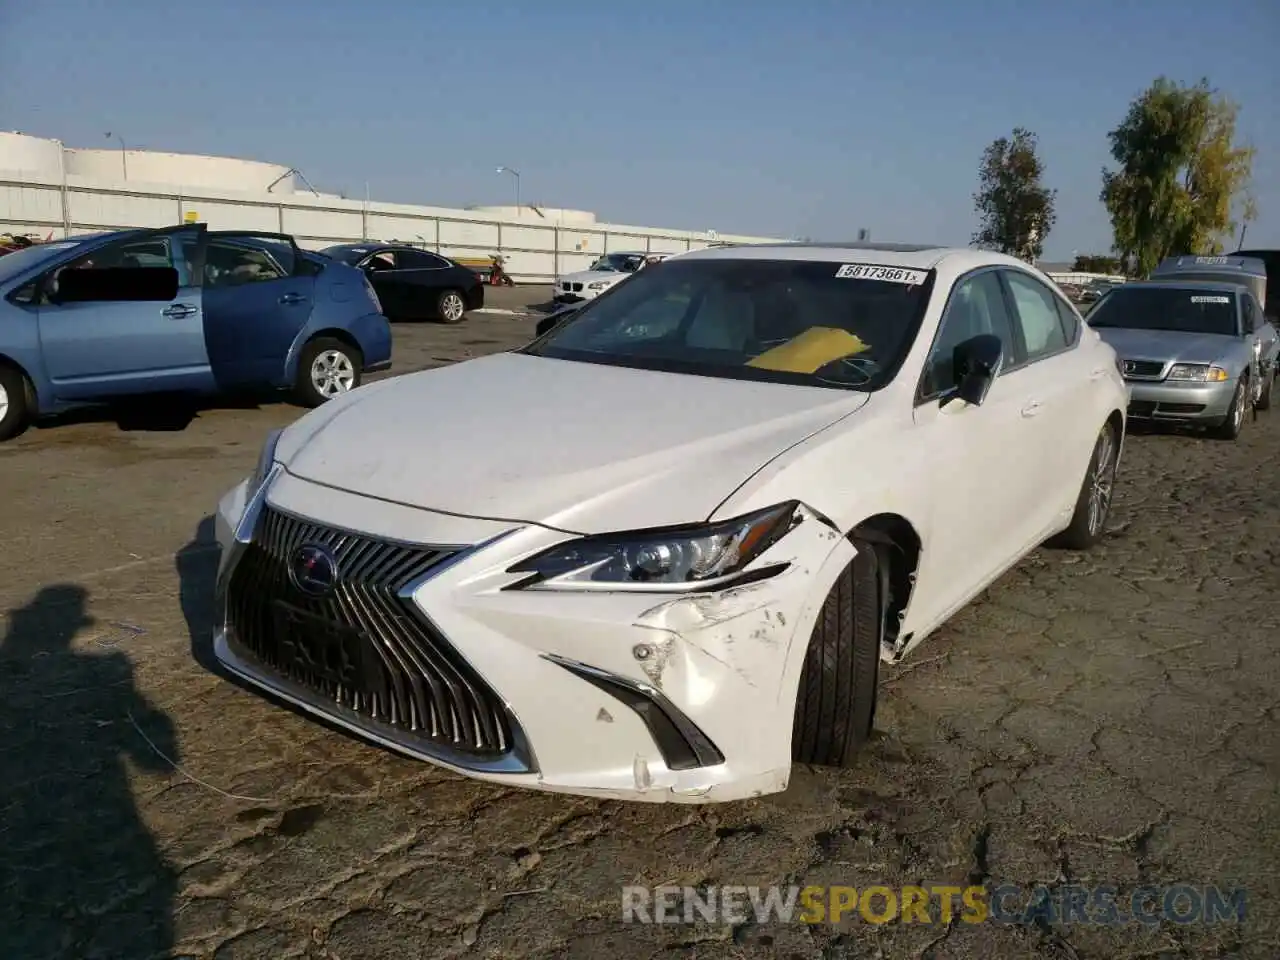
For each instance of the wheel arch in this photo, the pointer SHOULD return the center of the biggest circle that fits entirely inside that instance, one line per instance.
(899, 546)
(309, 336)
(33, 392)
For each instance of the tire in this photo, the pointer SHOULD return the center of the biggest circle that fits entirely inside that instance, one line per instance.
(1264, 400)
(1087, 527)
(15, 403)
(1233, 422)
(451, 307)
(836, 700)
(343, 362)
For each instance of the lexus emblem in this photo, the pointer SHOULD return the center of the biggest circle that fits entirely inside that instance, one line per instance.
(1128, 366)
(313, 570)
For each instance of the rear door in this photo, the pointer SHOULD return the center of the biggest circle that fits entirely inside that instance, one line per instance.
(1052, 376)
(414, 283)
(115, 348)
(258, 294)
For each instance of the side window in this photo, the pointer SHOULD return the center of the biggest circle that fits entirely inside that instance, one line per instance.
(418, 260)
(1037, 315)
(1070, 321)
(233, 265)
(1250, 314)
(152, 252)
(976, 306)
(383, 260)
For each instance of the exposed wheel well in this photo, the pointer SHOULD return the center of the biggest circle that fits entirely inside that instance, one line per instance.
(1116, 420)
(899, 546)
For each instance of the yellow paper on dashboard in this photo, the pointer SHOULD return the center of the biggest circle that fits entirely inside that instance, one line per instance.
(810, 351)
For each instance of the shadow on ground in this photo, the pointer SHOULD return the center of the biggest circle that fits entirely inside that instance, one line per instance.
(81, 876)
(156, 413)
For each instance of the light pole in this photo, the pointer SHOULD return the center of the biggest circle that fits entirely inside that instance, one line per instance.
(124, 153)
(516, 174)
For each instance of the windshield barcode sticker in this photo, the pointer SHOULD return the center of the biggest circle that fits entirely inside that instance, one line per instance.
(1213, 260)
(875, 271)
(1210, 299)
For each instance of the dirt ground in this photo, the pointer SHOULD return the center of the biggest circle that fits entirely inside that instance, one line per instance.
(1099, 719)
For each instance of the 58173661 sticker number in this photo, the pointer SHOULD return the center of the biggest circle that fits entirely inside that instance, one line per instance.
(874, 271)
(1210, 299)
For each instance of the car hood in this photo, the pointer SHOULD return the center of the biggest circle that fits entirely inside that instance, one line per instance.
(1166, 345)
(591, 276)
(582, 447)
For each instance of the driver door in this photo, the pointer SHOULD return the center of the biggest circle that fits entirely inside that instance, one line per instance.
(95, 350)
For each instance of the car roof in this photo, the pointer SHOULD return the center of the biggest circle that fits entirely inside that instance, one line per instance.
(912, 255)
(1245, 266)
(1217, 286)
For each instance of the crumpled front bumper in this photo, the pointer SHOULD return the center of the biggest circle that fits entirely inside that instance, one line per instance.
(634, 696)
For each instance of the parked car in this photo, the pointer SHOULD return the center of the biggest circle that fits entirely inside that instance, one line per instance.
(604, 274)
(179, 310)
(1193, 351)
(750, 475)
(414, 284)
(1270, 260)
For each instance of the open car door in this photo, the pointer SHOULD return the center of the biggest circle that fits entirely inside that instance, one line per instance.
(258, 293)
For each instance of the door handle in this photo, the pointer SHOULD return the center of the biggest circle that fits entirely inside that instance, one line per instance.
(179, 311)
(292, 298)
(1031, 409)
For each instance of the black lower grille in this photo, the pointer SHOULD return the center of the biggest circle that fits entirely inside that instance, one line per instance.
(1146, 369)
(360, 643)
(1142, 408)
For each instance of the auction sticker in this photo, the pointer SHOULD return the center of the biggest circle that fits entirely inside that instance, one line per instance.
(1210, 299)
(876, 271)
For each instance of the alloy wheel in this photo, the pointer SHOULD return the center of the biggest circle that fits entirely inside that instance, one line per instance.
(4, 402)
(332, 373)
(452, 307)
(1102, 482)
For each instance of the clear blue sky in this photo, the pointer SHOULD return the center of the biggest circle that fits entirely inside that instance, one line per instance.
(776, 119)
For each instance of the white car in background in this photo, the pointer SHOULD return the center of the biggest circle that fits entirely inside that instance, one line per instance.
(605, 273)
(659, 553)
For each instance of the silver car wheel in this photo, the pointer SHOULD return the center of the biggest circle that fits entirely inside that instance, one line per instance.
(4, 402)
(1102, 482)
(332, 373)
(452, 307)
(1237, 417)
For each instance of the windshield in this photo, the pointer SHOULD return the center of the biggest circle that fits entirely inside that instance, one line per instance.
(787, 321)
(12, 264)
(1180, 310)
(618, 263)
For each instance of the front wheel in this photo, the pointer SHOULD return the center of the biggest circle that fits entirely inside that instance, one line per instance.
(1233, 423)
(327, 368)
(1264, 397)
(835, 704)
(451, 308)
(15, 410)
(1093, 505)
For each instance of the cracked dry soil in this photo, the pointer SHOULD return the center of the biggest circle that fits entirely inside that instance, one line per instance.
(1106, 718)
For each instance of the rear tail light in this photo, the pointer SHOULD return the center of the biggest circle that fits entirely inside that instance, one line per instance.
(373, 294)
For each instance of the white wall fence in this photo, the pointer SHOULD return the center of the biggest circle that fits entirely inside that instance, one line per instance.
(535, 250)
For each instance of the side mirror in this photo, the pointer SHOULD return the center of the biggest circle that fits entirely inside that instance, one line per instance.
(975, 363)
(117, 284)
(547, 324)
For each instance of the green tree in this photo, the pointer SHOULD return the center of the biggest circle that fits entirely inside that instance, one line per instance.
(1095, 263)
(1015, 209)
(1180, 178)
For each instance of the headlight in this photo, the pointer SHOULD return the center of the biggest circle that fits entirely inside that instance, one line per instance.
(659, 559)
(598, 285)
(1198, 371)
(266, 459)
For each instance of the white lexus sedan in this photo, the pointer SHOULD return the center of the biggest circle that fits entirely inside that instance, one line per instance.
(661, 552)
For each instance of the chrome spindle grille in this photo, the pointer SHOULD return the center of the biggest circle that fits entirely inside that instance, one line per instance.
(392, 665)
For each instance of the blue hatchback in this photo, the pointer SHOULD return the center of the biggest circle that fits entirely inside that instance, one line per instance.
(180, 310)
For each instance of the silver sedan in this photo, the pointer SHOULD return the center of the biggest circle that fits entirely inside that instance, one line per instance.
(1195, 352)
